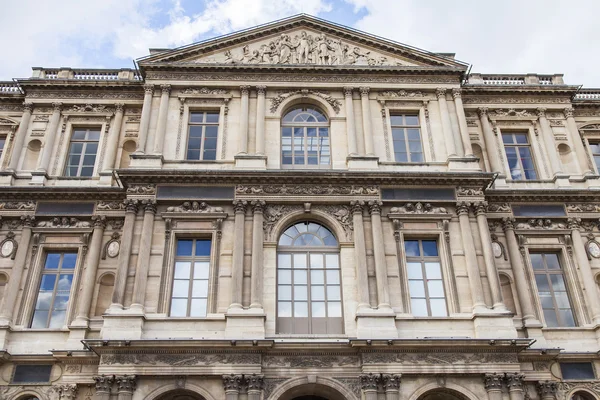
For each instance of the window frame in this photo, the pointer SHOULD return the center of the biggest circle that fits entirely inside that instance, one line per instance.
(14, 372)
(592, 155)
(87, 128)
(192, 259)
(34, 289)
(517, 146)
(308, 250)
(568, 289)
(405, 127)
(190, 124)
(305, 146)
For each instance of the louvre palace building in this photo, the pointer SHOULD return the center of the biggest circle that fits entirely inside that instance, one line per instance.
(298, 211)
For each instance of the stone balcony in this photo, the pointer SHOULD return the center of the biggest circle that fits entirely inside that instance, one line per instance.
(122, 74)
(10, 88)
(514, 80)
(587, 95)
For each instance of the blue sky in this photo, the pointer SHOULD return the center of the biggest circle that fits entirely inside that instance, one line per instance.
(508, 36)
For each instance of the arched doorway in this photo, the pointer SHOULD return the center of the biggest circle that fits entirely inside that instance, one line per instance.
(310, 398)
(180, 395)
(442, 394)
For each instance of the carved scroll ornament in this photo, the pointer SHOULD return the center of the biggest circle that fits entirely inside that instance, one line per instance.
(281, 96)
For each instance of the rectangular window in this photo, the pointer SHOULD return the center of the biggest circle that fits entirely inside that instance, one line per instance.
(595, 148)
(538, 210)
(406, 133)
(82, 152)
(425, 282)
(520, 158)
(31, 373)
(190, 280)
(2, 143)
(577, 370)
(202, 135)
(54, 291)
(550, 282)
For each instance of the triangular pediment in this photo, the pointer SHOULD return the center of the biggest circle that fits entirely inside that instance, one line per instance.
(301, 40)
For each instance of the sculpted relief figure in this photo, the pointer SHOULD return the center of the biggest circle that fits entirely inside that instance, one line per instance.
(305, 49)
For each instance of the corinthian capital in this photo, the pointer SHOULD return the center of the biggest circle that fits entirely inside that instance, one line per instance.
(515, 381)
(258, 206)
(239, 206)
(440, 93)
(390, 382)
(119, 107)
(568, 112)
(483, 112)
(357, 206)
(166, 89)
(369, 381)
(547, 389)
(104, 383)
(232, 382)
(508, 224)
(348, 91)
(56, 107)
(27, 107)
(462, 208)
(148, 89)
(574, 223)
(67, 391)
(541, 112)
(456, 92)
(261, 90)
(245, 90)
(493, 381)
(481, 208)
(375, 207)
(126, 383)
(255, 382)
(149, 206)
(364, 91)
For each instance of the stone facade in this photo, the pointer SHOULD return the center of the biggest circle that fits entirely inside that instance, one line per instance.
(494, 210)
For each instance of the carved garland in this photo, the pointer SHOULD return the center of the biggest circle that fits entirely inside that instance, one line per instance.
(276, 101)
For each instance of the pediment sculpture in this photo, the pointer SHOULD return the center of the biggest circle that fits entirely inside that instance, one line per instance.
(302, 48)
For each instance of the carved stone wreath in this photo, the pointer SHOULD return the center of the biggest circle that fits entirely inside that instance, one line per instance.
(8, 247)
(276, 101)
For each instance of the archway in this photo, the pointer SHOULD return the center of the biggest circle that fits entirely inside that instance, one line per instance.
(180, 394)
(312, 388)
(310, 398)
(442, 394)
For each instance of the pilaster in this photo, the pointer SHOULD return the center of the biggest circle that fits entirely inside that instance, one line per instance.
(446, 123)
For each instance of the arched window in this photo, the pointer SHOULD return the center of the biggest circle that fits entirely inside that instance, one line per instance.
(309, 295)
(581, 396)
(305, 138)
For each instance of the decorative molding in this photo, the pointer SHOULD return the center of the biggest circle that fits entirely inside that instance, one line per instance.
(18, 205)
(541, 223)
(95, 108)
(351, 383)
(64, 222)
(309, 190)
(69, 94)
(144, 190)
(270, 384)
(565, 387)
(110, 206)
(8, 247)
(402, 93)
(112, 247)
(273, 213)
(499, 208)
(282, 95)
(180, 360)
(310, 361)
(418, 208)
(203, 91)
(439, 358)
(195, 207)
(469, 191)
(342, 214)
(582, 207)
(515, 100)
(511, 112)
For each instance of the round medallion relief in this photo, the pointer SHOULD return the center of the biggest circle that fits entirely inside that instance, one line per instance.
(594, 249)
(113, 249)
(7, 248)
(497, 249)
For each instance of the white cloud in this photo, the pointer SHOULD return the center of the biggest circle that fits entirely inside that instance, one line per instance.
(512, 36)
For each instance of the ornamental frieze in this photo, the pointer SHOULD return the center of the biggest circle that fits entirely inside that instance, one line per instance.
(439, 358)
(310, 361)
(516, 100)
(110, 206)
(582, 207)
(179, 360)
(567, 387)
(17, 205)
(511, 112)
(203, 90)
(499, 208)
(270, 384)
(309, 190)
(402, 93)
(418, 208)
(282, 95)
(469, 191)
(85, 95)
(96, 108)
(195, 207)
(141, 190)
(64, 222)
(541, 223)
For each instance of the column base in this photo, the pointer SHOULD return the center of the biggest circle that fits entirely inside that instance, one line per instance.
(356, 162)
(245, 323)
(146, 161)
(122, 326)
(38, 178)
(494, 325)
(376, 324)
(251, 161)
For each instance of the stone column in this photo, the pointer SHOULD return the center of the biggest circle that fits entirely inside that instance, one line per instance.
(577, 142)
(143, 259)
(462, 123)
(488, 256)
(50, 137)
(89, 272)
(232, 384)
(255, 385)
(350, 128)
(20, 137)
(258, 207)
(489, 139)
(368, 384)
(103, 386)
(161, 124)
(548, 138)
(462, 209)
(518, 267)
(124, 254)
(591, 294)
(113, 139)
(383, 297)
(237, 267)
(11, 291)
(367, 129)
(360, 254)
(243, 139)
(391, 385)
(493, 386)
(67, 391)
(145, 118)
(126, 385)
(514, 382)
(547, 390)
(446, 123)
(260, 119)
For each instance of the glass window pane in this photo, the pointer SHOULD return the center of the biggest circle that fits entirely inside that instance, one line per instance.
(334, 309)
(61, 302)
(196, 117)
(182, 270)
(433, 270)
(562, 300)
(333, 277)
(201, 269)
(300, 260)
(40, 319)
(412, 120)
(284, 277)
(212, 116)
(79, 134)
(64, 282)
(558, 282)
(179, 307)
(316, 260)
(318, 309)
(419, 307)
(411, 247)
(52, 260)
(520, 138)
(198, 308)
(333, 293)
(414, 270)
(48, 282)
(430, 248)
(284, 309)
(396, 119)
(416, 288)
(435, 288)
(200, 288)
(44, 301)
(317, 277)
(546, 300)
(541, 280)
(317, 292)
(203, 247)
(284, 292)
(550, 318)
(300, 309)
(300, 292)
(181, 288)
(552, 261)
(184, 247)
(332, 261)
(57, 319)
(536, 261)
(300, 277)
(284, 261)
(438, 308)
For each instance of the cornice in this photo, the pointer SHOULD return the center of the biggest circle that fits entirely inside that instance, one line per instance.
(566, 90)
(541, 195)
(61, 193)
